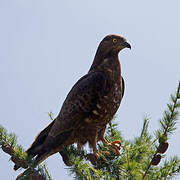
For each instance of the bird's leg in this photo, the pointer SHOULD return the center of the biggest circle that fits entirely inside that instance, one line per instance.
(92, 143)
(114, 145)
(95, 151)
(97, 154)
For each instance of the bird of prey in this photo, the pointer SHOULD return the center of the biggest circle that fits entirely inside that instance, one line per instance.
(89, 106)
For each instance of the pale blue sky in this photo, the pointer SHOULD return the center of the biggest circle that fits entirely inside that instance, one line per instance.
(46, 46)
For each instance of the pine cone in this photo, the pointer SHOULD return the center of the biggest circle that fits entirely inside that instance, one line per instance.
(92, 158)
(34, 176)
(163, 147)
(8, 149)
(156, 159)
(18, 163)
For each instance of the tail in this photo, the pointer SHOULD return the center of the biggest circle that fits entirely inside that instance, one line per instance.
(39, 140)
(54, 145)
(44, 146)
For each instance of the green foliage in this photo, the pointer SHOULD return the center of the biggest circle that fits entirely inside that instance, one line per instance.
(8, 143)
(142, 158)
(169, 120)
(139, 158)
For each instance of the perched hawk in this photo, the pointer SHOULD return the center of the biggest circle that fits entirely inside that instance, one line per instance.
(89, 106)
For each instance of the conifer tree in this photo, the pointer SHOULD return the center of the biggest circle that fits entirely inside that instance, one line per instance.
(142, 158)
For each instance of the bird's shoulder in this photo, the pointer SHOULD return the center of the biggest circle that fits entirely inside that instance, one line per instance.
(80, 101)
(92, 80)
(123, 86)
(85, 92)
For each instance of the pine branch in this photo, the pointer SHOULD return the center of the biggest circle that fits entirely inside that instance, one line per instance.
(144, 131)
(139, 158)
(168, 126)
(169, 120)
(8, 143)
(50, 114)
(170, 168)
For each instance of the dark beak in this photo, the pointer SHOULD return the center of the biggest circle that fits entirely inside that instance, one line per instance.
(127, 45)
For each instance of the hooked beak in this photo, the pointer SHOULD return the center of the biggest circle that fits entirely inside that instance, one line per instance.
(127, 45)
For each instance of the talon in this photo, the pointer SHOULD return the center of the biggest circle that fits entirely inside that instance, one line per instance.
(107, 153)
(97, 155)
(115, 146)
(92, 158)
(117, 143)
(116, 150)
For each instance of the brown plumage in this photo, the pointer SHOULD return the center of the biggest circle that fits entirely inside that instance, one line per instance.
(89, 106)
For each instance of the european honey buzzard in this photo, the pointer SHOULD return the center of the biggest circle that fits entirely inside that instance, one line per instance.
(89, 106)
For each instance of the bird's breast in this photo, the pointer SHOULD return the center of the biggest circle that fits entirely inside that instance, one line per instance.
(106, 107)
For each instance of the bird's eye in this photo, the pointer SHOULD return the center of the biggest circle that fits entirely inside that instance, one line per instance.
(114, 40)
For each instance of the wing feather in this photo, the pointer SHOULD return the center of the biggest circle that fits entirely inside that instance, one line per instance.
(80, 101)
(123, 86)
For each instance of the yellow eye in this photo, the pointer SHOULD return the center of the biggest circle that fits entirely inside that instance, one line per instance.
(114, 40)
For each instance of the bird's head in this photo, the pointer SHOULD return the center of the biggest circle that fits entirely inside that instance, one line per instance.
(110, 46)
(113, 44)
